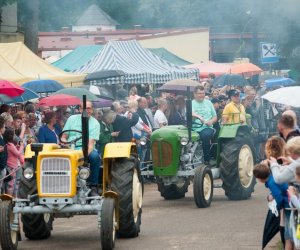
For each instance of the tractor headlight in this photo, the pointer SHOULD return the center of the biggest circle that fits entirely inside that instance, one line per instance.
(28, 173)
(84, 173)
(184, 141)
(143, 141)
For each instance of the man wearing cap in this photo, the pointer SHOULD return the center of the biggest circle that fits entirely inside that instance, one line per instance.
(234, 112)
(203, 110)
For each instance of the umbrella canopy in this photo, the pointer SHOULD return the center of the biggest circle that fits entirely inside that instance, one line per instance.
(277, 82)
(102, 103)
(103, 74)
(245, 69)
(10, 89)
(43, 86)
(5, 99)
(287, 96)
(59, 100)
(206, 68)
(271, 228)
(179, 85)
(99, 91)
(26, 96)
(230, 80)
(78, 92)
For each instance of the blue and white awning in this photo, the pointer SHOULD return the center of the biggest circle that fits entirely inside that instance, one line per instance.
(140, 65)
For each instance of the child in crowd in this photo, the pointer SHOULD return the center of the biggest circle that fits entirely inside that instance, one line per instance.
(15, 158)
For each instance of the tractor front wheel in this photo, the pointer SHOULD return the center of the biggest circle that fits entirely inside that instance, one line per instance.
(8, 237)
(127, 182)
(108, 224)
(236, 168)
(203, 186)
(35, 226)
(175, 190)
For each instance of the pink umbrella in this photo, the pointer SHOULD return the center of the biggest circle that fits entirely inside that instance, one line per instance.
(59, 100)
(205, 68)
(10, 89)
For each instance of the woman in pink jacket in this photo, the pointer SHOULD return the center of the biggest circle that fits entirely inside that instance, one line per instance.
(15, 159)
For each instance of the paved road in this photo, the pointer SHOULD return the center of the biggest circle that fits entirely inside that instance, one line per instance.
(174, 225)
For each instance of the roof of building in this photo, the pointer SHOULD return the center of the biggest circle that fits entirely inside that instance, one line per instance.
(95, 16)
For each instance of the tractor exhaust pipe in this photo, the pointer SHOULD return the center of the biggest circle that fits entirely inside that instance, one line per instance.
(85, 132)
(189, 119)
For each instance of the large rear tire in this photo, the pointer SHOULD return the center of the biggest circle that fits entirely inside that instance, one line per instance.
(236, 168)
(127, 182)
(203, 186)
(173, 191)
(35, 226)
(8, 237)
(108, 223)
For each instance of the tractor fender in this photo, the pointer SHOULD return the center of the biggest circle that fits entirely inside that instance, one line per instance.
(6, 197)
(119, 150)
(230, 131)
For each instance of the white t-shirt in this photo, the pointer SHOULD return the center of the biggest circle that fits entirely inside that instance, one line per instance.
(159, 118)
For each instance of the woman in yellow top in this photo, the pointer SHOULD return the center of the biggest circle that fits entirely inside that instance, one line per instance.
(234, 112)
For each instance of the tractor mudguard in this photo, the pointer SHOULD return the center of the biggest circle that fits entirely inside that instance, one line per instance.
(6, 197)
(230, 131)
(119, 150)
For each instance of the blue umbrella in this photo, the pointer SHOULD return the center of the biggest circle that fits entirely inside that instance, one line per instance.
(278, 82)
(26, 96)
(43, 86)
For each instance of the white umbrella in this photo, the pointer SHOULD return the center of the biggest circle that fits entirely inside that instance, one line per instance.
(288, 96)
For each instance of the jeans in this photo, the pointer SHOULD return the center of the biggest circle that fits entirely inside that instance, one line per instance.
(94, 160)
(206, 136)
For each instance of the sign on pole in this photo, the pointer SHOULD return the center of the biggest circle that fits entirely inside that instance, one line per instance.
(269, 53)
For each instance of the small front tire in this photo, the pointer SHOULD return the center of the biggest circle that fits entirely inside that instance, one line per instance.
(108, 222)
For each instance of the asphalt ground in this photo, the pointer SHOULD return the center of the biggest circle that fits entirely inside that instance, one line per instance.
(177, 224)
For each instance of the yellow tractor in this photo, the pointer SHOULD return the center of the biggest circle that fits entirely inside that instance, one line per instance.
(54, 185)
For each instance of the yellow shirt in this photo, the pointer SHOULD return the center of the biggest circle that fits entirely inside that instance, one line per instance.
(234, 113)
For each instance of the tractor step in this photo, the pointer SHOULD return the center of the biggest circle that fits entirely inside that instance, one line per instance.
(218, 185)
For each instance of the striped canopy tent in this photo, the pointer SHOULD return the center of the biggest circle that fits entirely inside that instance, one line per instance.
(139, 65)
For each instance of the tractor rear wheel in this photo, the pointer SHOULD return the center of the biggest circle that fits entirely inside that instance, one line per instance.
(8, 237)
(35, 226)
(127, 182)
(236, 168)
(175, 190)
(108, 223)
(203, 186)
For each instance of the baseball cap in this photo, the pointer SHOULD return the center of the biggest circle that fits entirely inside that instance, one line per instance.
(234, 92)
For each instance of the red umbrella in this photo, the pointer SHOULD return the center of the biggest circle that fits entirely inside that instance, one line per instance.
(59, 100)
(206, 68)
(10, 89)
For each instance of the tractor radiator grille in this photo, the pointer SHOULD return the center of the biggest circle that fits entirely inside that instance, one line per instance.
(55, 176)
(165, 158)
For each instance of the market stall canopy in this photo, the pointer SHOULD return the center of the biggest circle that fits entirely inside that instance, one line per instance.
(206, 68)
(169, 56)
(245, 69)
(77, 58)
(139, 64)
(19, 64)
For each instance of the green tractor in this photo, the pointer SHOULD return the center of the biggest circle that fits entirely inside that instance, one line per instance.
(177, 158)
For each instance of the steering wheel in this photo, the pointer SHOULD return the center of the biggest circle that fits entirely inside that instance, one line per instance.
(72, 141)
(197, 123)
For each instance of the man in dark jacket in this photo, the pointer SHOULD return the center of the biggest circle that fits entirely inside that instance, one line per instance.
(3, 152)
(123, 125)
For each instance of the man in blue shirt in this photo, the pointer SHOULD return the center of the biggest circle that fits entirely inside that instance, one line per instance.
(204, 111)
(74, 123)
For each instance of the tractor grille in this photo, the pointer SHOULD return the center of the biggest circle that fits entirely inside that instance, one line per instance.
(166, 155)
(55, 176)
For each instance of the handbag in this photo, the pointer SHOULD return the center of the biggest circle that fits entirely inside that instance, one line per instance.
(8, 176)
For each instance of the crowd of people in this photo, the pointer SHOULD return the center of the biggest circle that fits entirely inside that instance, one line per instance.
(138, 113)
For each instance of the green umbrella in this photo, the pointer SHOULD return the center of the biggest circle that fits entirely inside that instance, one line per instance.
(78, 92)
(5, 99)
